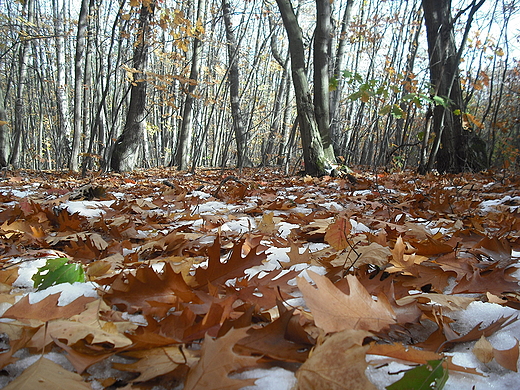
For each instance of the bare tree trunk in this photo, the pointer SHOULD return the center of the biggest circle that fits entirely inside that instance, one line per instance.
(20, 88)
(126, 148)
(316, 163)
(321, 76)
(78, 83)
(62, 101)
(4, 138)
(338, 68)
(234, 90)
(184, 142)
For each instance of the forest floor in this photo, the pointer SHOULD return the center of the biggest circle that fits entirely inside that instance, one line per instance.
(220, 278)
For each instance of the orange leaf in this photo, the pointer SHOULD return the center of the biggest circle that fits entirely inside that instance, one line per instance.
(338, 232)
(47, 309)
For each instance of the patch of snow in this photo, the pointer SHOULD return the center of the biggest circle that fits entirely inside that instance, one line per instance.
(69, 292)
(18, 193)
(26, 270)
(491, 205)
(88, 208)
(241, 225)
(284, 228)
(358, 227)
(274, 378)
(200, 194)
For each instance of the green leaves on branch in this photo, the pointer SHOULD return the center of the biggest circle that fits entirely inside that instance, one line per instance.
(367, 89)
(430, 376)
(57, 271)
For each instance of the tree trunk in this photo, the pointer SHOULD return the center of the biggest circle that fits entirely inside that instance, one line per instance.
(338, 68)
(4, 138)
(316, 163)
(126, 149)
(20, 88)
(78, 83)
(184, 142)
(450, 148)
(234, 90)
(321, 75)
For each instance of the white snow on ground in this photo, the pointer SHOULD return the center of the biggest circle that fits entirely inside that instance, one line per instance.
(88, 208)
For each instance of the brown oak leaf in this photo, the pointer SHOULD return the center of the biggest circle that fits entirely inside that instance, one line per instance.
(335, 311)
(217, 361)
(337, 364)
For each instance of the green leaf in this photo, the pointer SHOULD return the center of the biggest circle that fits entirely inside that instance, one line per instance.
(431, 376)
(385, 110)
(347, 74)
(440, 101)
(457, 112)
(355, 96)
(57, 271)
(397, 112)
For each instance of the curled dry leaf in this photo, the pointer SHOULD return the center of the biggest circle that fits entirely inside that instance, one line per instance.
(337, 364)
(335, 311)
(483, 350)
(507, 358)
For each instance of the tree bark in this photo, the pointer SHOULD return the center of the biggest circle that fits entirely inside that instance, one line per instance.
(316, 163)
(78, 83)
(450, 147)
(321, 75)
(184, 142)
(4, 138)
(234, 90)
(20, 88)
(126, 149)
(338, 68)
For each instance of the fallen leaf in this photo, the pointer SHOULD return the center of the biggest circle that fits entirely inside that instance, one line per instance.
(338, 232)
(44, 374)
(271, 341)
(217, 360)
(79, 327)
(335, 311)
(483, 350)
(47, 309)
(156, 362)
(218, 272)
(508, 358)
(339, 363)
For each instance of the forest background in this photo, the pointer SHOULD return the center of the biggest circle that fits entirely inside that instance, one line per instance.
(216, 87)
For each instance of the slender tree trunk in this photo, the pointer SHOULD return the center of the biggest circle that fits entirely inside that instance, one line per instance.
(322, 41)
(20, 89)
(338, 68)
(184, 142)
(234, 90)
(126, 148)
(4, 137)
(78, 83)
(62, 100)
(316, 163)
